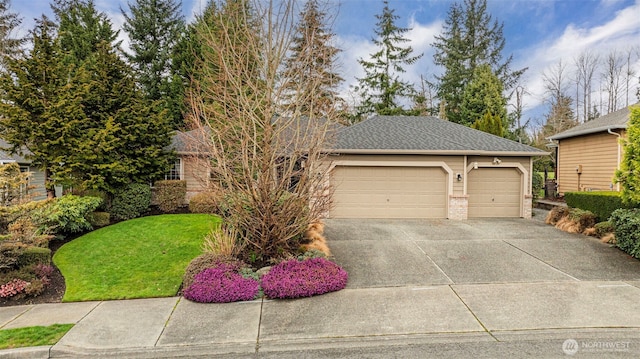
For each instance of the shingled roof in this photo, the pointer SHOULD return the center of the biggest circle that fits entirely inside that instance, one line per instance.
(424, 135)
(613, 121)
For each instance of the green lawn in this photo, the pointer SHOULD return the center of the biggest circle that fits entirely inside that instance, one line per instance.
(32, 336)
(141, 258)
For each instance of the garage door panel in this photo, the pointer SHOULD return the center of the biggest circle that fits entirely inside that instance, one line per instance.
(388, 192)
(494, 192)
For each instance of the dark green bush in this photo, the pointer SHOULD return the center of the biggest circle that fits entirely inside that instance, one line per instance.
(68, 214)
(537, 184)
(170, 195)
(34, 255)
(99, 219)
(627, 230)
(204, 202)
(131, 201)
(602, 203)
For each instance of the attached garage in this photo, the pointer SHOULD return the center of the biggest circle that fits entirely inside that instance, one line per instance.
(424, 167)
(389, 192)
(494, 192)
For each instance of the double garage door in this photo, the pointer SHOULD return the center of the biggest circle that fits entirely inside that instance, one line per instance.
(420, 192)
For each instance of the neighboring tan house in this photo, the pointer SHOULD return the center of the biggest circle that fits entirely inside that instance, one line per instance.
(425, 167)
(589, 154)
(36, 180)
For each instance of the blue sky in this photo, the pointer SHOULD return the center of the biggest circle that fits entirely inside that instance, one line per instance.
(538, 32)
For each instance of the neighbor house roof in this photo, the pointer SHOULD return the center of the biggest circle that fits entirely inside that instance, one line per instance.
(613, 121)
(6, 156)
(192, 142)
(424, 135)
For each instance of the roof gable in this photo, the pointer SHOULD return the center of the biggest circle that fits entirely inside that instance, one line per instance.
(423, 134)
(612, 121)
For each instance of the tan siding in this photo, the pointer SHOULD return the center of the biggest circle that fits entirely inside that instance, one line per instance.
(598, 156)
(196, 174)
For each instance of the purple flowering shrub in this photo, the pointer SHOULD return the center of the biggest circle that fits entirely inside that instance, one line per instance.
(221, 284)
(294, 279)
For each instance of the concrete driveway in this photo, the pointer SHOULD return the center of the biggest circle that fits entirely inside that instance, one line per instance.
(392, 253)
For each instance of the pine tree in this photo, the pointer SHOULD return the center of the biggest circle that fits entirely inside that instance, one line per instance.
(154, 28)
(629, 173)
(381, 87)
(312, 61)
(489, 123)
(40, 107)
(75, 106)
(10, 46)
(484, 95)
(470, 38)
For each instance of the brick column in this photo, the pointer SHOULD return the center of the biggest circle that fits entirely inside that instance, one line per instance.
(458, 207)
(528, 206)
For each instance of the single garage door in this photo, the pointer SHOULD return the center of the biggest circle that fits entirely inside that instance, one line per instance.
(494, 192)
(389, 192)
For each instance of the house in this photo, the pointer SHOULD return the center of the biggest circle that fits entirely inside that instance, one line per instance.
(589, 154)
(36, 180)
(425, 167)
(192, 164)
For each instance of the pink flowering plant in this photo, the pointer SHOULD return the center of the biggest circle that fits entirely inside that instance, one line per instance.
(295, 279)
(13, 288)
(222, 284)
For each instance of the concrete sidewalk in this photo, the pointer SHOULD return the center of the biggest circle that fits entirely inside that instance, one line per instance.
(455, 289)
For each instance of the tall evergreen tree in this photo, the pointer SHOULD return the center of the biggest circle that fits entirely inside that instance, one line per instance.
(381, 88)
(154, 28)
(40, 107)
(629, 173)
(484, 95)
(10, 46)
(470, 38)
(75, 106)
(313, 60)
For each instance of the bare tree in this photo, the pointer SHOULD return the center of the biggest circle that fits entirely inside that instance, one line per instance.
(629, 72)
(270, 167)
(614, 65)
(586, 64)
(556, 82)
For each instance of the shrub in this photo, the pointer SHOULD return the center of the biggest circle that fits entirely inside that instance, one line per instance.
(602, 203)
(99, 219)
(170, 195)
(555, 214)
(537, 184)
(13, 288)
(205, 202)
(24, 230)
(294, 279)
(131, 201)
(627, 230)
(603, 228)
(222, 241)
(68, 214)
(33, 256)
(10, 251)
(202, 262)
(222, 284)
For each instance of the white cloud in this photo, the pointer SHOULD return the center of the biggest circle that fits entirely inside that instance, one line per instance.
(620, 33)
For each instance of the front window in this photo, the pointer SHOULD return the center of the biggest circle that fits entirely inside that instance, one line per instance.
(175, 171)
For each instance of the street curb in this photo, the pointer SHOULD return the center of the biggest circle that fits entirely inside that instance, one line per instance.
(26, 353)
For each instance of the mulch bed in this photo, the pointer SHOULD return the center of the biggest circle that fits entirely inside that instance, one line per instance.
(52, 293)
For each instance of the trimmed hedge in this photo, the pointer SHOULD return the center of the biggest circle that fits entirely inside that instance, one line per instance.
(204, 202)
(34, 255)
(627, 230)
(131, 201)
(601, 203)
(170, 195)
